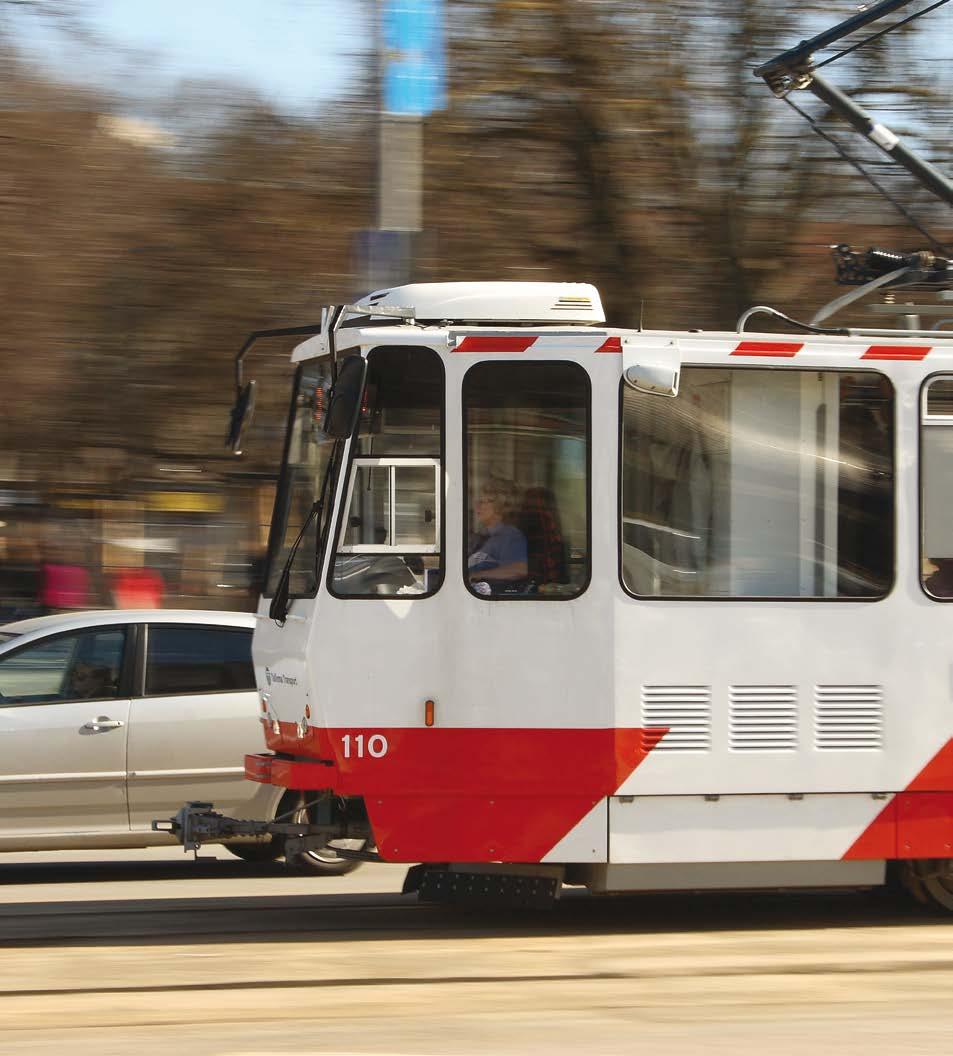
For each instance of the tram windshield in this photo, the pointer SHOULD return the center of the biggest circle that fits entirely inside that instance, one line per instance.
(307, 471)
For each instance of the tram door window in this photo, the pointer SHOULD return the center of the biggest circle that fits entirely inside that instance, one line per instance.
(759, 483)
(526, 451)
(391, 531)
(936, 480)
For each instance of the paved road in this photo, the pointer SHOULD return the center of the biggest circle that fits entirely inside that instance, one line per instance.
(148, 952)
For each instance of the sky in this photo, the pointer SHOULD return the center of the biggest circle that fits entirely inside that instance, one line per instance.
(296, 53)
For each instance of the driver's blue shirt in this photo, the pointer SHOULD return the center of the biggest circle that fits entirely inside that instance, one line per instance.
(503, 545)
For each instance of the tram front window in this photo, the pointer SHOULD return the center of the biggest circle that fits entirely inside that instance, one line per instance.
(390, 536)
(306, 470)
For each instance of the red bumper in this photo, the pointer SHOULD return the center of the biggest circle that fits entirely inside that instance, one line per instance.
(268, 769)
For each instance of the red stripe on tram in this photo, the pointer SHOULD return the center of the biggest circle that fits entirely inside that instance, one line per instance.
(780, 349)
(496, 344)
(912, 352)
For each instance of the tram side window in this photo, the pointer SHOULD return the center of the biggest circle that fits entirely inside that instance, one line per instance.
(936, 498)
(526, 437)
(390, 537)
(759, 483)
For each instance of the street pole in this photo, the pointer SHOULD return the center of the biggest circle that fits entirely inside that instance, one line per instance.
(409, 35)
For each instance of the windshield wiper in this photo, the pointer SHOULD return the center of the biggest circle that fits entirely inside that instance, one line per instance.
(278, 609)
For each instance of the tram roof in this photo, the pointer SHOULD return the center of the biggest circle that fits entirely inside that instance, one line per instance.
(515, 303)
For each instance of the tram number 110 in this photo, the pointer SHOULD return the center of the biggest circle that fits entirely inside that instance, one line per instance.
(357, 747)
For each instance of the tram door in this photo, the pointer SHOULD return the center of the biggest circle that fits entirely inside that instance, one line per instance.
(537, 648)
(382, 617)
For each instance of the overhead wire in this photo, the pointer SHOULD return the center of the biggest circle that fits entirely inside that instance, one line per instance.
(879, 34)
(938, 246)
(815, 125)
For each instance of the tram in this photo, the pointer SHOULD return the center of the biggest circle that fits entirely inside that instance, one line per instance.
(552, 602)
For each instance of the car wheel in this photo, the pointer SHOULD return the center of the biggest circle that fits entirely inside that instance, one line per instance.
(257, 853)
(325, 861)
(321, 861)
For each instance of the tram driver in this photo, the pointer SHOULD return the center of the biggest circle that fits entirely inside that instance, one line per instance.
(499, 552)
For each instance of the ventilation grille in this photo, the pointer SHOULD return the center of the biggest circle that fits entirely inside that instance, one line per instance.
(573, 304)
(684, 710)
(763, 718)
(848, 717)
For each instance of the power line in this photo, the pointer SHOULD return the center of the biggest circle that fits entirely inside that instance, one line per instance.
(938, 246)
(878, 35)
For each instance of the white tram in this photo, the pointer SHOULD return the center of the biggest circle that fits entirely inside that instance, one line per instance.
(553, 602)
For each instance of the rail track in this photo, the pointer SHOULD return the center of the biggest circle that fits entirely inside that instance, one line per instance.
(210, 958)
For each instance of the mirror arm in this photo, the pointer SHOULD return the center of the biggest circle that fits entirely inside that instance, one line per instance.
(307, 330)
(335, 320)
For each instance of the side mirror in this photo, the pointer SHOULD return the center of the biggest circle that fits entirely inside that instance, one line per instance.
(345, 399)
(651, 366)
(242, 414)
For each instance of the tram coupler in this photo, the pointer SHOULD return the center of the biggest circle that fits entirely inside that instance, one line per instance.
(324, 819)
(197, 823)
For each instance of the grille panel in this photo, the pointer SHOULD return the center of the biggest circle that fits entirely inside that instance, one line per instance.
(763, 718)
(848, 718)
(684, 710)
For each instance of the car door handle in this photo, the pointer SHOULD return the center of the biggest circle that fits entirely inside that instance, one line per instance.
(103, 722)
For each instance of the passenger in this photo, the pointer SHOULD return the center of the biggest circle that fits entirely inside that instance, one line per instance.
(87, 682)
(138, 588)
(499, 554)
(64, 586)
(540, 522)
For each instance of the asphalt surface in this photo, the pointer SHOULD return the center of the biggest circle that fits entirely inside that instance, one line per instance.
(151, 952)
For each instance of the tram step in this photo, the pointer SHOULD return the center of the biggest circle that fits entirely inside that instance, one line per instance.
(491, 889)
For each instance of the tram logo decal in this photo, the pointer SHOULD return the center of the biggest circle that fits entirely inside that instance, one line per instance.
(273, 677)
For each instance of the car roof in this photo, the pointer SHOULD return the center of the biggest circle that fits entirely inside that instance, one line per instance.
(64, 621)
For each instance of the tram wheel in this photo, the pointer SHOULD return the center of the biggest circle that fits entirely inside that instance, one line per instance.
(930, 881)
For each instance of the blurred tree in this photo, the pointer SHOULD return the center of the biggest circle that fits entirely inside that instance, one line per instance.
(607, 141)
(134, 264)
(631, 145)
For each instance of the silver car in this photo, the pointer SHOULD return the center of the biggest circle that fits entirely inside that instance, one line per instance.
(110, 719)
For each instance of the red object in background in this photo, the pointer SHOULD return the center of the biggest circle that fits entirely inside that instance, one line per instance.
(64, 587)
(138, 588)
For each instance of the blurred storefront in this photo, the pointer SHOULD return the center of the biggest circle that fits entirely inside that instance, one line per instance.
(117, 532)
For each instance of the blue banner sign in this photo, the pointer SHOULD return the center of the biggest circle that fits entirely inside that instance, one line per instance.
(415, 79)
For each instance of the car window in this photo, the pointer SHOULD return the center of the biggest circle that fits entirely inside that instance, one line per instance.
(192, 659)
(81, 666)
